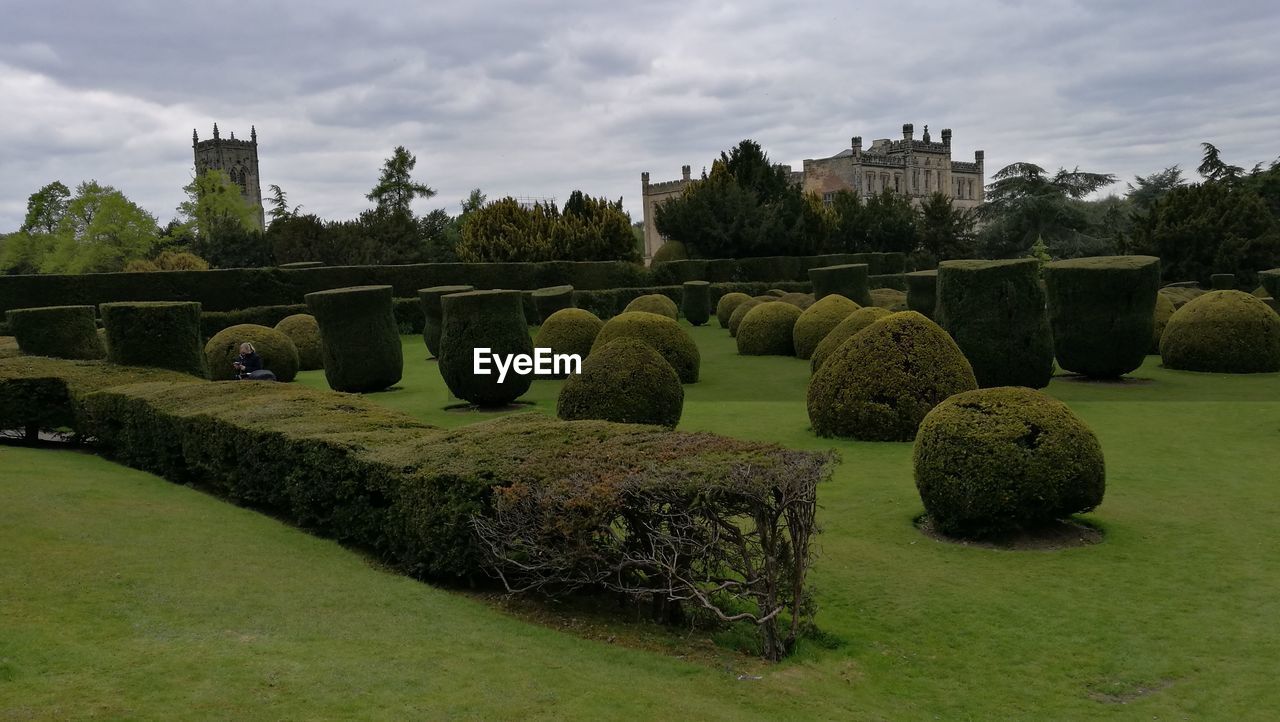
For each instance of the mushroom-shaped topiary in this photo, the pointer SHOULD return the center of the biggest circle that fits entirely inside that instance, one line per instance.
(627, 381)
(549, 300)
(660, 332)
(1223, 332)
(58, 331)
(740, 312)
(818, 320)
(1163, 312)
(1101, 310)
(695, 301)
(569, 331)
(484, 319)
(302, 329)
(654, 303)
(799, 300)
(670, 251)
(433, 315)
(766, 330)
(726, 305)
(359, 337)
(881, 382)
(843, 331)
(1004, 459)
(278, 352)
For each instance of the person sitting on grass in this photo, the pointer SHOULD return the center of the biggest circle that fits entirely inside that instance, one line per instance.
(248, 364)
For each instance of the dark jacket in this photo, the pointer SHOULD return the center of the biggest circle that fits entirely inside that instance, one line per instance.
(251, 361)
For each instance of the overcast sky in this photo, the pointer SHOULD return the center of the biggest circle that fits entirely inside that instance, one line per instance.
(536, 99)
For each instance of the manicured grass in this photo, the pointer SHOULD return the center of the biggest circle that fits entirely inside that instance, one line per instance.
(125, 596)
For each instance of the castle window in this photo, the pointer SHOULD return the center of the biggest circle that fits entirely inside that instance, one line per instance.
(828, 198)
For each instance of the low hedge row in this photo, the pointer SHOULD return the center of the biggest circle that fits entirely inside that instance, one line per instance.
(769, 268)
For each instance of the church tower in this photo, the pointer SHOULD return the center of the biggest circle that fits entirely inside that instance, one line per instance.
(237, 158)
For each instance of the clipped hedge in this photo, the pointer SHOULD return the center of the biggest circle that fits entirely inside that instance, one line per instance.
(890, 298)
(741, 310)
(1102, 312)
(843, 331)
(625, 381)
(770, 268)
(660, 332)
(1223, 332)
(359, 338)
(211, 322)
(433, 315)
(484, 319)
(160, 334)
(695, 302)
(767, 329)
(1222, 281)
(819, 320)
(69, 332)
(549, 300)
(654, 303)
(922, 293)
(279, 354)
(569, 331)
(304, 331)
(849, 280)
(670, 251)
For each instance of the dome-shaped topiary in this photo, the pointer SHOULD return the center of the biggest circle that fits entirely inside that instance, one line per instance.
(1003, 459)
(799, 300)
(359, 337)
(818, 320)
(1101, 311)
(163, 334)
(304, 331)
(569, 331)
(843, 331)
(890, 298)
(549, 300)
(626, 381)
(766, 330)
(695, 301)
(726, 305)
(1223, 332)
(433, 315)
(879, 384)
(654, 303)
(660, 332)
(483, 319)
(278, 352)
(58, 331)
(740, 311)
(1163, 312)
(670, 251)
(775, 292)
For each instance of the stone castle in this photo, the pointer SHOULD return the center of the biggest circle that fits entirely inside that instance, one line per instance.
(237, 158)
(915, 168)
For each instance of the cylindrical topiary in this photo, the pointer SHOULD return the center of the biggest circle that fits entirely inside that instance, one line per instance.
(1102, 312)
(767, 330)
(726, 305)
(695, 301)
(995, 311)
(302, 329)
(359, 337)
(626, 381)
(670, 251)
(799, 300)
(662, 333)
(817, 321)
(484, 319)
(922, 292)
(552, 299)
(999, 460)
(1223, 332)
(883, 380)
(164, 334)
(1163, 312)
(1222, 281)
(433, 316)
(740, 311)
(848, 280)
(843, 331)
(57, 331)
(278, 352)
(568, 331)
(654, 303)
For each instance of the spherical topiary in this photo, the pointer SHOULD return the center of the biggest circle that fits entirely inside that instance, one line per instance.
(1163, 312)
(670, 251)
(799, 300)
(767, 329)
(848, 280)
(432, 314)
(1004, 459)
(1223, 332)
(922, 292)
(726, 305)
(695, 301)
(626, 381)
(279, 354)
(57, 331)
(740, 311)
(662, 333)
(359, 337)
(568, 331)
(484, 319)
(552, 299)
(654, 303)
(1222, 281)
(881, 382)
(818, 320)
(1102, 312)
(843, 331)
(164, 334)
(302, 329)
(890, 298)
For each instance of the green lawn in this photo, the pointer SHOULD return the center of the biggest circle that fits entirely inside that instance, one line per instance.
(122, 595)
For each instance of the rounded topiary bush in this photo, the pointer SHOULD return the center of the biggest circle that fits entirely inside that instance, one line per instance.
(483, 319)
(1223, 332)
(726, 305)
(922, 292)
(654, 303)
(883, 380)
(278, 352)
(302, 329)
(776, 293)
(58, 331)
(799, 300)
(1160, 318)
(695, 301)
(627, 381)
(1000, 460)
(843, 331)
(552, 299)
(848, 280)
(740, 311)
(766, 330)
(890, 298)
(164, 334)
(569, 331)
(662, 333)
(817, 321)
(432, 314)
(1102, 312)
(670, 251)
(359, 337)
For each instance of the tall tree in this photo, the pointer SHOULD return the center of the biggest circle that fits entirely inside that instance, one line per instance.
(46, 207)
(100, 231)
(396, 188)
(1213, 168)
(1145, 191)
(279, 204)
(223, 223)
(1025, 204)
(945, 231)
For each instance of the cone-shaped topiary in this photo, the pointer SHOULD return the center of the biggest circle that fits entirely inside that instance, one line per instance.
(654, 303)
(552, 299)
(662, 333)
(726, 305)
(1102, 312)
(999, 460)
(626, 381)
(890, 298)
(164, 334)
(670, 251)
(359, 337)
(278, 352)
(995, 311)
(483, 319)
(304, 332)
(695, 302)
(848, 280)
(1163, 312)
(882, 381)
(767, 330)
(1222, 281)
(817, 321)
(843, 331)
(740, 311)
(58, 331)
(799, 300)
(922, 292)
(1223, 332)
(432, 314)
(568, 331)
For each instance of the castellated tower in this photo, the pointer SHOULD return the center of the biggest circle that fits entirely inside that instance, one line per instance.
(237, 158)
